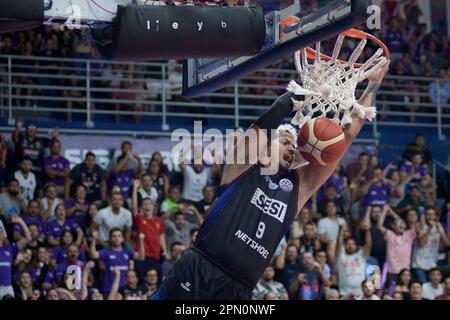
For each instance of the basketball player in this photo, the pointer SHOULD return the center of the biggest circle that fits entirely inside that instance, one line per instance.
(253, 212)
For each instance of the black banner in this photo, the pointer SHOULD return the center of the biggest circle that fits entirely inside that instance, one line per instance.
(179, 32)
(226, 310)
(20, 14)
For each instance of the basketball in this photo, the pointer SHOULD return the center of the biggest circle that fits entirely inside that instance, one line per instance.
(321, 141)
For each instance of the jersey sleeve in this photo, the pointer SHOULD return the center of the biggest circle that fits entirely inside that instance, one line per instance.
(103, 255)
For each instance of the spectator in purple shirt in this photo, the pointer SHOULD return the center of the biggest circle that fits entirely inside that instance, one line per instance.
(413, 170)
(56, 227)
(394, 36)
(379, 191)
(8, 252)
(59, 252)
(73, 258)
(414, 166)
(77, 207)
(32, 217)
(124, 168)
(56, 167)
(43, 275)
(116, 256)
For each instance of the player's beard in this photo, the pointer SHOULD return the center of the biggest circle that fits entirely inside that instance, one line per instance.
(285, 163)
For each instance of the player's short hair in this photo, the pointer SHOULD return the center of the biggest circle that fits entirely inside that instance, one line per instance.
(288, 129)
(26, 159)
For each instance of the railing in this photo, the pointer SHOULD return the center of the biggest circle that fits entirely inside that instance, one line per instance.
(96, 91)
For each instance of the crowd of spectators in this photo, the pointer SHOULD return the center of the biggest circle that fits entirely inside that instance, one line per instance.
(368, 233)
(414, 50)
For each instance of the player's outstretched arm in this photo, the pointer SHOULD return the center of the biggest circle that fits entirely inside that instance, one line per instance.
(257, 135)
(312, 177)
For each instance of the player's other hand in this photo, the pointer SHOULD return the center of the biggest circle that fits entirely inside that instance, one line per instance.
(379, 76)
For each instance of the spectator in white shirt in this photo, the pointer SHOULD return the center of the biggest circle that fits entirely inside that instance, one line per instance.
(351, 260)
(195, 179)
(27, 180)
(368, 289)
(114, 216)
(147, 190)
(329, 226)
(434, 288)
(439, 90)
(49, 202)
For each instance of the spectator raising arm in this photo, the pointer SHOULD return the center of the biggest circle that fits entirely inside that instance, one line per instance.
(280, 260)
(121, 164)
(340, 241)
(163, 244)
(103, 190)
(16, 132)
(115, 286)
(141, 254)
(380, 223)
(365, 226)
(93, 250)
(198, 216)
(140, 167)
(443, 235)
(84, 284)
(23, 242)
(134, 197)
(80, 235)
(323, 277)
(127, 234)
(424, 235)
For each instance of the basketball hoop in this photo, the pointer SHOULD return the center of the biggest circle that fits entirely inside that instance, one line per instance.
(329, 84)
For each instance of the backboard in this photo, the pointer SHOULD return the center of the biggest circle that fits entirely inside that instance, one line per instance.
(287, 30)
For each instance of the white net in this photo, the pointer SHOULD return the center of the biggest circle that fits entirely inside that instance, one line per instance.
(329, 87)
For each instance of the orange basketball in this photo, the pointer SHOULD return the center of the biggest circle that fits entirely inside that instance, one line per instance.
(321, 141)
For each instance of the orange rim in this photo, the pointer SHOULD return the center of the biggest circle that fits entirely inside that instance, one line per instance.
(352, 33)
